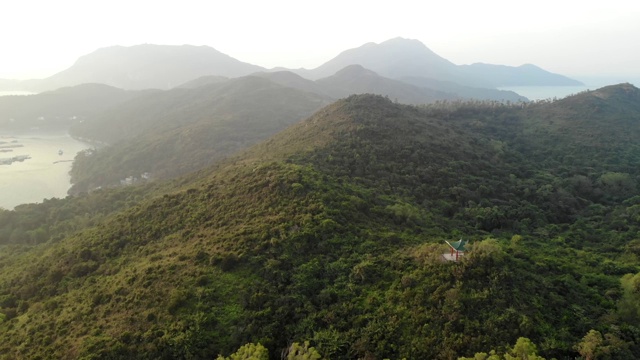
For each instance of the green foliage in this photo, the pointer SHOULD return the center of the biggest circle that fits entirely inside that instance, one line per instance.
(54, 219)
(523, 349)
(590, 344)
(302, 352)
(248, 352)
(629, 304)
(617, 186)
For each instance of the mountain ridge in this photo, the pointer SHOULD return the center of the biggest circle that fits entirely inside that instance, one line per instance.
(166, 66)
(399, 57)
(355, 79)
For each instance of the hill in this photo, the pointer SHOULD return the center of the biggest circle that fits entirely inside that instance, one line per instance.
(355, 79)
(464, 92)
(202, 81)
(523, 75)
(331, 232)
(59, 109)
(402, 58)
(172, 133)
(145, 67)
(289, 79)
(393, 58)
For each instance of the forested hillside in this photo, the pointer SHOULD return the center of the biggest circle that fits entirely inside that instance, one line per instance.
(172, 133)
(332, 232)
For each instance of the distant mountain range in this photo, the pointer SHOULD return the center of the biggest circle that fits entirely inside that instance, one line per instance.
(410, 61)
(399, 58)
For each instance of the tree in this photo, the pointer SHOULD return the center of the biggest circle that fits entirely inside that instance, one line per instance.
(524, 349)
(248, 352)
(589, 345)
(617, 186)
(302, 352)
(629, 303)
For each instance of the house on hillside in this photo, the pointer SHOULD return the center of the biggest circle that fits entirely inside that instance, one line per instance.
(457, 250)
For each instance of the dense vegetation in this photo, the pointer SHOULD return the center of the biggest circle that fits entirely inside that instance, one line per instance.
(332, 232)
(175, 132)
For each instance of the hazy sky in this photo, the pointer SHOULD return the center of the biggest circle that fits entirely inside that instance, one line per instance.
(576, 38)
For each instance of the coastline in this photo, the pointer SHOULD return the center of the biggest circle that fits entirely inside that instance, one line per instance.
(45, 173)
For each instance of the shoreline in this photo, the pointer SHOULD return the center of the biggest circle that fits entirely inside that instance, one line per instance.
(45, 173)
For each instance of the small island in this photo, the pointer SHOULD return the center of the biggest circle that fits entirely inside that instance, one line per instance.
(11, 160)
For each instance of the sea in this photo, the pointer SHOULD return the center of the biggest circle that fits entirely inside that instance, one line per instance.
(534, 93)
(43, 174)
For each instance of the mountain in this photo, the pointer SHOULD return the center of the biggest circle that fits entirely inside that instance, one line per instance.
(405, 58)
(292, 80)
(59, 109)
(171, 133)
(146, 67)
(202, 81)
(355, 79)
(465, 92)
(332, 232)
(523, 75)
(393, 58)
(164, 67)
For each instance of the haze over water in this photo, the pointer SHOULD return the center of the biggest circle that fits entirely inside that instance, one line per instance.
(549, 92)
(44, 175)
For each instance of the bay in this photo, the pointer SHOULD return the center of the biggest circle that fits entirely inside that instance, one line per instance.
(44, 175)
(558, 92)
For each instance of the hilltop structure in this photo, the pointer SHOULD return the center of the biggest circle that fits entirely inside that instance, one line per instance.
(457, 249)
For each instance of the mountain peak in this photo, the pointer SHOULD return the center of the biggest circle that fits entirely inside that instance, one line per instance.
(602, 102)
(620, 89)
(394, 58)
(148, 66)
(355, 70)
(614, 93)
(404, 42)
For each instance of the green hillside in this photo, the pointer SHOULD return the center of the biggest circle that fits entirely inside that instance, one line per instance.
(175, 132)
(332, 232)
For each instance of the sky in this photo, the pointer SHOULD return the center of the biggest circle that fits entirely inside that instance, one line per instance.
(39, 38)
